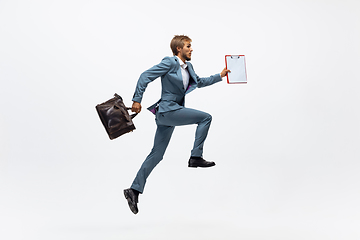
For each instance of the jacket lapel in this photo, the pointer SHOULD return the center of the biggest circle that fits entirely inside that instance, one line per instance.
(192, 81)
(178, 73)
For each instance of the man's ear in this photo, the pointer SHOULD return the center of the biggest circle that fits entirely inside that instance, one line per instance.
(178, 49)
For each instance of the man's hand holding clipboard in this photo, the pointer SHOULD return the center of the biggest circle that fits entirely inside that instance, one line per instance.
(224, 72)
(236, 65)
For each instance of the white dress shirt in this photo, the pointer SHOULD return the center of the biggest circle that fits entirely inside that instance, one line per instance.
(184, 72)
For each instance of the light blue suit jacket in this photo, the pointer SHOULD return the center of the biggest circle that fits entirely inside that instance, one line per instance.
(173, 91)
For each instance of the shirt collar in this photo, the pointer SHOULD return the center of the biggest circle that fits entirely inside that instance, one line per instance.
(182, 64)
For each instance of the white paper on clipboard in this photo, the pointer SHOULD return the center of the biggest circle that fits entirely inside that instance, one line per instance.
(236, 64)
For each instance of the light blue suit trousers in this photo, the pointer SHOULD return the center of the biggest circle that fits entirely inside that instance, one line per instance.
(166, 123)
(170, 112)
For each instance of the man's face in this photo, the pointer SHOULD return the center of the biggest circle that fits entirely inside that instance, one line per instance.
(185, 52)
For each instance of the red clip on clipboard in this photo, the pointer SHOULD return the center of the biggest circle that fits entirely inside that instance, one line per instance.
(236, 64)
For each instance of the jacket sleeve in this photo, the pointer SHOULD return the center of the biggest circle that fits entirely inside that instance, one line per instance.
(203, 82)
(206, 81)
(150, 75)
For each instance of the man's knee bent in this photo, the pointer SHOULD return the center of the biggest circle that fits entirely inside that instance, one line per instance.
(208, 118)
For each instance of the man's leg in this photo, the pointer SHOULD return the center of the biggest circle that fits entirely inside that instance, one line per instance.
(161, 141)
(187, 116)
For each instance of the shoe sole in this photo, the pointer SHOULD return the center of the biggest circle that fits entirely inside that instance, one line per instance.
(195, 166)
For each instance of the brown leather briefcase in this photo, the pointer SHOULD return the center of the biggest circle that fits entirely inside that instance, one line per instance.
(115, 117)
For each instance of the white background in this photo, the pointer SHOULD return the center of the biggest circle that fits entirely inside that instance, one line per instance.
(286, 144)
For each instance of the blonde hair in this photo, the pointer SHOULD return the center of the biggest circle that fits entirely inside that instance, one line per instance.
(178, 41)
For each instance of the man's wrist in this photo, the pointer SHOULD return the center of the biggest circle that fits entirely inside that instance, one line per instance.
(136, 99)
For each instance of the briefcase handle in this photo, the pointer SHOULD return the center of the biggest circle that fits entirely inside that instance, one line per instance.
(132, 115)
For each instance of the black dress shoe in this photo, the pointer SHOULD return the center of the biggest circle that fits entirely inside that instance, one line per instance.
(199, 162)
(132, 199)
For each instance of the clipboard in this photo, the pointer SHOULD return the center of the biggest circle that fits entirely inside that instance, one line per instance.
(236, 64)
